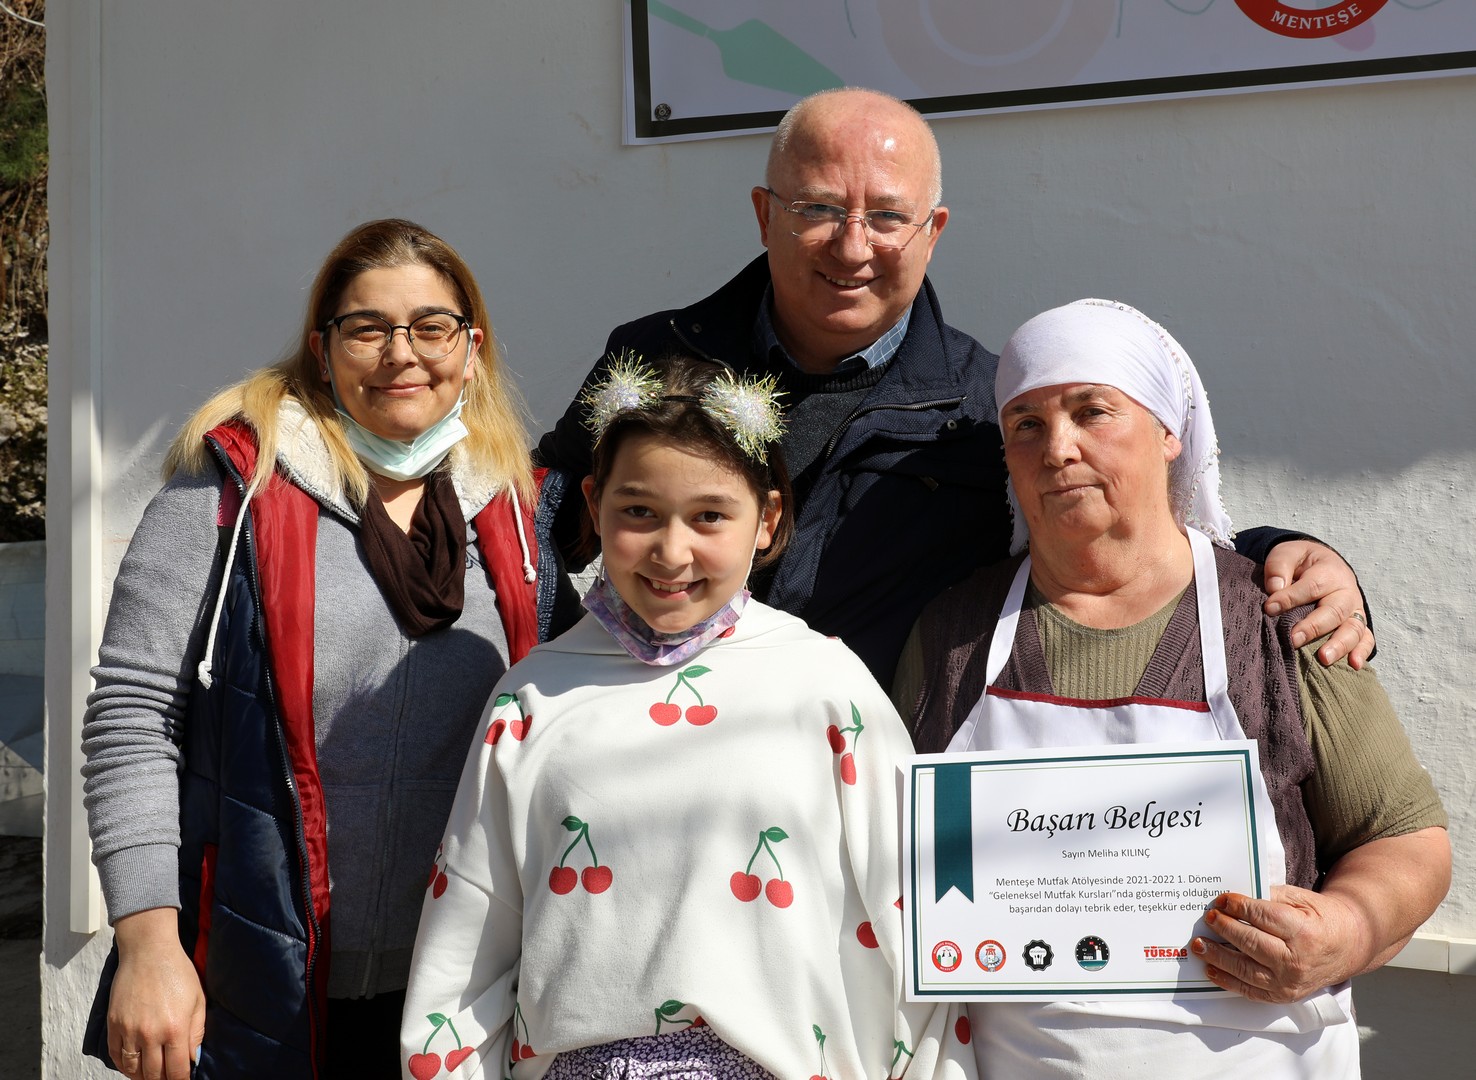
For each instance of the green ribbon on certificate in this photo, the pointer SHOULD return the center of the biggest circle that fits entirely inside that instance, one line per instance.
(953, 830)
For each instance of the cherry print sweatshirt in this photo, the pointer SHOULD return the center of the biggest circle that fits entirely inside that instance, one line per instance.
(635, 849)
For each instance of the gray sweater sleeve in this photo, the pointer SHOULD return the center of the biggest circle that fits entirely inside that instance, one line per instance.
(154, 637)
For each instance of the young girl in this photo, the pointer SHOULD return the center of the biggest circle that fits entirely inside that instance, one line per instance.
(674, 849)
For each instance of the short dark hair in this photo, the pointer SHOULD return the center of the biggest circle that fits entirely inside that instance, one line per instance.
(679, 419)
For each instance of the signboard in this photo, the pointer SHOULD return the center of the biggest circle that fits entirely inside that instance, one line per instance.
(702, 68)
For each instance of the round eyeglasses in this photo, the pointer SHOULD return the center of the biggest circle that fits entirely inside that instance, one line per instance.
(887, 230)
(432, 336)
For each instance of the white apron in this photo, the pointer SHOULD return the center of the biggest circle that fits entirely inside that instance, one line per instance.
(1223, 1035)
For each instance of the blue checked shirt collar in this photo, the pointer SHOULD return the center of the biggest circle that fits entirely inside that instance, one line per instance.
(875, 355)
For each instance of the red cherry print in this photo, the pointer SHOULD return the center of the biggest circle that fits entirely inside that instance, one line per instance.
(897, 903)
(456, 1057)
(526, 1052)
(597, 878)
(699, 1022)
(435, 871)
(745, 887)
(726, 633)
(518, 729)
(866, 935)
(440, 886)
(848, 768)
(666, 713)
(961, 1029)
(517, 1048)
(562, 879)
(836, 739)
(495, 731)
(780, 893)
(424, 1066)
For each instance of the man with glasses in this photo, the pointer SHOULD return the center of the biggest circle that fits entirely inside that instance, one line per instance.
(891, 436)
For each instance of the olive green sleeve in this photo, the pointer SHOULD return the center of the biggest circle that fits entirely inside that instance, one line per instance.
(1368, 784)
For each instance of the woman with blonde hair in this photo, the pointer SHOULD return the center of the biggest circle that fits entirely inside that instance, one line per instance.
(308, 621)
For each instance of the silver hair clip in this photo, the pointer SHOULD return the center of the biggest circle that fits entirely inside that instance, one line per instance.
(628, 384)
(749, 409)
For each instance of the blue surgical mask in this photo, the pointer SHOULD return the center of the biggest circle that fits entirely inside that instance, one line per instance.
(404, 460)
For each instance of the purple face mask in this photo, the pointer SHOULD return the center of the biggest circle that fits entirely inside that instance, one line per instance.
(645, 644)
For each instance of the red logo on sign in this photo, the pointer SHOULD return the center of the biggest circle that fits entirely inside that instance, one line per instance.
(946, 956)
(1309, 23)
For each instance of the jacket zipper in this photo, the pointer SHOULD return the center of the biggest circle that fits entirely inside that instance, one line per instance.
(863, 409)
(285, 761)
(677, 330)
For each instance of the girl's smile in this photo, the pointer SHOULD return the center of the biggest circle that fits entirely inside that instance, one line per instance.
(678, 531)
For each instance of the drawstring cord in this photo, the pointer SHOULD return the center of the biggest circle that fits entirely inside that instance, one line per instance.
(202, 672)
(529, 574)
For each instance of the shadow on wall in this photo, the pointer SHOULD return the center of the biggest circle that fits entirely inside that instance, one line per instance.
(22, 632)
(20, 954)
(1416, 1023)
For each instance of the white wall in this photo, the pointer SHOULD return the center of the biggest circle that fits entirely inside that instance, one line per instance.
(1312, 250)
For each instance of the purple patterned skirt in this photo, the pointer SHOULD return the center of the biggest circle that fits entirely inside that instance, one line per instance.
(693, 1053)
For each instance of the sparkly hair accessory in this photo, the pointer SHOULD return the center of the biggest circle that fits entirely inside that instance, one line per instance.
(748, 408)
(628, 384)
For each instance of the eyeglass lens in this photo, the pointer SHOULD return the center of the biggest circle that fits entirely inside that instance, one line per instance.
(431, 336)
(822, 221)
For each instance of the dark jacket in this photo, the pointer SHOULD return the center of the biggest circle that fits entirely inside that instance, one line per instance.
(255, 914)
(910, 495)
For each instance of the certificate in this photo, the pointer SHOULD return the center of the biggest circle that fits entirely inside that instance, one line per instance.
(1073, 873)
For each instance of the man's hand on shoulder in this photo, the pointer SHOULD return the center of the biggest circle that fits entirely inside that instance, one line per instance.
(1303, 572)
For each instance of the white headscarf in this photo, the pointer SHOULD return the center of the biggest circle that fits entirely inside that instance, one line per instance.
(1112, 344)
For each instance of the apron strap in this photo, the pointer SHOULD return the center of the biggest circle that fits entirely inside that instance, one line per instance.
(1212, 636)
(1004, 630)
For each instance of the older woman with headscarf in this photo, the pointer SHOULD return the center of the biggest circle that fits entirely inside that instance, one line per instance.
(1112, 455)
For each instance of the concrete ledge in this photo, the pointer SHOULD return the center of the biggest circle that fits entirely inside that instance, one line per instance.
(23, 816)
(1435, 952)
(22, 608)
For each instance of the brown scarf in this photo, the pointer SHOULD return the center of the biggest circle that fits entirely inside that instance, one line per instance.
(423, 573)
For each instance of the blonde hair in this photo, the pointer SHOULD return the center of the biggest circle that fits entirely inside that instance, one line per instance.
(494, 414)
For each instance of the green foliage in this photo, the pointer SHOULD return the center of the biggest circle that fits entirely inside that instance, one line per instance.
(22, 436)
(24, 237)
(22, 136)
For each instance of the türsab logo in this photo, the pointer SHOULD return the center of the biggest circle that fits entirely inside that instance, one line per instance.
(1165, 952)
